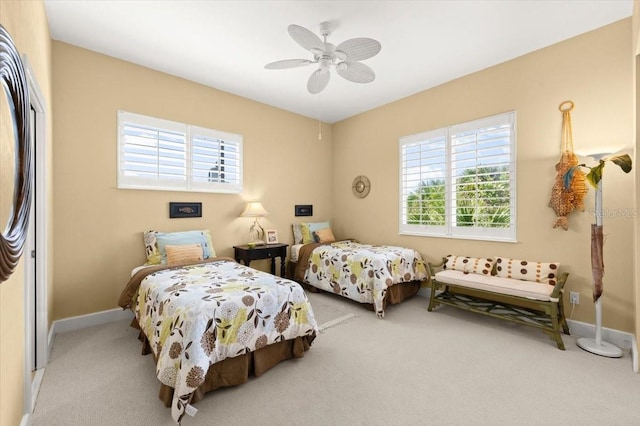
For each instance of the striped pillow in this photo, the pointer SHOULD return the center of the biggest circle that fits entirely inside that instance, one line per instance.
(186, 253)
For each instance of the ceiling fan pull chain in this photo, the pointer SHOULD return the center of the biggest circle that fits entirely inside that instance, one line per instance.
(319, 121)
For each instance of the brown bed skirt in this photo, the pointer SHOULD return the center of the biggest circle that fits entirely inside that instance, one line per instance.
(235, 371)
(395, 294)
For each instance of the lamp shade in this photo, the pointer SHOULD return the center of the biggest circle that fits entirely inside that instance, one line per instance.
(599, 153)
(254, 209)
(597, 156)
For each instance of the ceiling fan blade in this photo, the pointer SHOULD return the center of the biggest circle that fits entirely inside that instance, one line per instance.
(318, 81)
(359, 49)
(287, 63)
(305, 38)
(356, 72)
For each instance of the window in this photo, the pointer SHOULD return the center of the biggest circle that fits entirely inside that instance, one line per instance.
(165, 155)
(459, 181)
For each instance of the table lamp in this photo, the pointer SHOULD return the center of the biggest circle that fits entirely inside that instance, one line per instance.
(254, 209)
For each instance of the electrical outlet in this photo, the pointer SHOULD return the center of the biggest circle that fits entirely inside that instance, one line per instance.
(574, 298)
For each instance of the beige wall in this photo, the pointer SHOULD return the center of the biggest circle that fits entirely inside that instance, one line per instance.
(595, 71)
(27, 24)
(100, 227)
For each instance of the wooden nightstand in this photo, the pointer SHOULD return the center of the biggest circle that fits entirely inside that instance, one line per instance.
(267, 251)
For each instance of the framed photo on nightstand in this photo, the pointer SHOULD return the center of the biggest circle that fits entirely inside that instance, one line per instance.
(271, 236)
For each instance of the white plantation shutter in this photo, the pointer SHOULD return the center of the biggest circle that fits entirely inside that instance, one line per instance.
(215, 160)
(423, 160)
(165, 155)
(460, 181)
(153, 152)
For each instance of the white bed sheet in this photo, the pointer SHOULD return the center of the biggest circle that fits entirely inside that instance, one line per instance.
(139, 268)
(293, 253)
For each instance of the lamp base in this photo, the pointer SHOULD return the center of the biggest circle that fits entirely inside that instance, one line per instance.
(602, 349)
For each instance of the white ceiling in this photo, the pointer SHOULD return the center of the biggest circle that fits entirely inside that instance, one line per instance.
(225, 44)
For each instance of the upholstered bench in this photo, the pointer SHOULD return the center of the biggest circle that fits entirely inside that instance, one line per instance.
(523, 292)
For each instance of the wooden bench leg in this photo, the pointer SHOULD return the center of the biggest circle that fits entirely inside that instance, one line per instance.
(432, 299)
(563, 318)
(555, 321)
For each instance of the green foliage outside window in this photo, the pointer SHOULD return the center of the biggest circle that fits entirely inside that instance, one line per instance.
(481, 199)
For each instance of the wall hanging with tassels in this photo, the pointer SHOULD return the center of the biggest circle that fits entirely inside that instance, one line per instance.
(567, 196)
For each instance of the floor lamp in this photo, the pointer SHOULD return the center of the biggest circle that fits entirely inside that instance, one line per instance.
(597, 345)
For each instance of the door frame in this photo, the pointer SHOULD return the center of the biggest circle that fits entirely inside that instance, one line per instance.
(35, 299)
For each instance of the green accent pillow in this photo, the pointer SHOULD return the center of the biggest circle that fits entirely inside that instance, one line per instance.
(308, 228)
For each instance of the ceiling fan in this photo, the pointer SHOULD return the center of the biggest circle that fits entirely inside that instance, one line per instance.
(345, 57)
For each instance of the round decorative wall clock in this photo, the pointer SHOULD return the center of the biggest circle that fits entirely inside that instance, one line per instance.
(361, 186)
(14, 80)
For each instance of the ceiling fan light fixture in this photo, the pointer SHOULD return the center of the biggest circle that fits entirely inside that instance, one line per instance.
(325, 64)
(340, 55)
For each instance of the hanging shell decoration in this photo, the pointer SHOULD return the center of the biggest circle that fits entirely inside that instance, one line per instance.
(567, 196)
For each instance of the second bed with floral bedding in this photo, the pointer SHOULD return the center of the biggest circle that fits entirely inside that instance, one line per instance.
(370, 274)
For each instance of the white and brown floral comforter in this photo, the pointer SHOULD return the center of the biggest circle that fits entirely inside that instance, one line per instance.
(362, 272)
(200, 314)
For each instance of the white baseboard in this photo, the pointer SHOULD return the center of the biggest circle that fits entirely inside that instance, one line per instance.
(622, 339)
(26, 420)
(35, 387)
(89, 320)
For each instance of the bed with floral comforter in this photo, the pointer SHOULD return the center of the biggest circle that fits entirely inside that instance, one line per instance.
(361, 272)
(199, 315)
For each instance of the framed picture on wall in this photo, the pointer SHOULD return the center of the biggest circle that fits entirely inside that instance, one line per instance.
(271, 236)
(177, 210)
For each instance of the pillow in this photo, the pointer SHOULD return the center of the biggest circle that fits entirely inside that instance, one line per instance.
(308, 228)
(297, 233)
(324, 235)
(187, 253)
(181, 238)
(156, 254)
(151, 248)
(528, 271)
(474, 265)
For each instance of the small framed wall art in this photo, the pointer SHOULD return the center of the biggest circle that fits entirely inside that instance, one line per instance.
(178, 210)
(271, 236)
(304, 209)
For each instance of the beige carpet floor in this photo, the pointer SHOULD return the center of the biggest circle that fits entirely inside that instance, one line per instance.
(414, 367)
